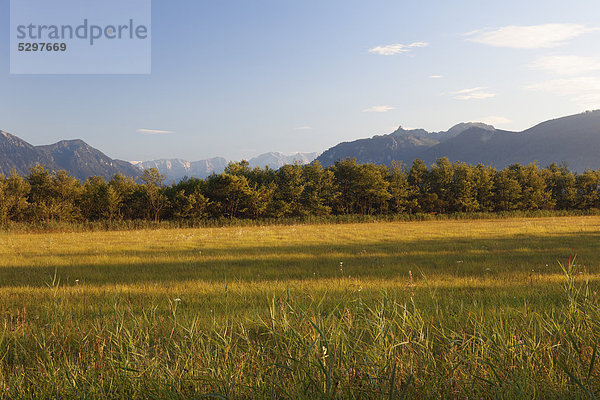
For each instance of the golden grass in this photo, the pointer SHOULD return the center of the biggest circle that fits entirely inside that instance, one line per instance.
(459, 270)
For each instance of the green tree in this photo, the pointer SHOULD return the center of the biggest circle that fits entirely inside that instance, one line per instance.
(372, 189)
(66, 194)
(3, 201)
(40, 194)
(290, 186)
(229, 195)
(189, 206)
(153, 190)
(420, 196)
(121, 198)
(94, 199)
(16, 192)
(399, 190)
(463, 193)
(346, 173)
(507, 190)
(534, 194)
(241, 168)
(484, 185)
(587, 190)
(562, 185)
(318, 193)
(53, 197)
(440, 183)
(362, 188)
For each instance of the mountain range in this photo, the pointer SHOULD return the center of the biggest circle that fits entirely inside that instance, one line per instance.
(574, 140)
(75, 156)
(82, 161)
(175, 169)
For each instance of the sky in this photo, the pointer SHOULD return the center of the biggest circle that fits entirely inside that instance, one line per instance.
(240, 78)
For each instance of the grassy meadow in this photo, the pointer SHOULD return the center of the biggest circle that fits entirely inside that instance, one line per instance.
(490, 308)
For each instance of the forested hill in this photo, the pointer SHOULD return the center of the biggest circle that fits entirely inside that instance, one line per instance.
(75, 156)
(574, 140)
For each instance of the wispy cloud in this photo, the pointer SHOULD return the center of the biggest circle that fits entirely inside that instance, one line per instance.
(584, 90)
(154, 132)
(529, 37)
(566, 65)
(435, 76)
(379, 109)
(393, 49)
(476, 93)
(494, 120)
(303, 128)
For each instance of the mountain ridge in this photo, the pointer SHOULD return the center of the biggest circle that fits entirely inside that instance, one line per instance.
(574, 139)
(75, 156)
(176, 168)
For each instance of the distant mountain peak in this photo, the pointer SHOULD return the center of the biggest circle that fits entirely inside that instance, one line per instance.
(75, 156)
(463, 126)
(573, 139)
(176, 169)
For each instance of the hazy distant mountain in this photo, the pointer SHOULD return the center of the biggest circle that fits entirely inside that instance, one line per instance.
(75, 156)
(400, 145)
(277, 160)
(176, 169)
(574, 139)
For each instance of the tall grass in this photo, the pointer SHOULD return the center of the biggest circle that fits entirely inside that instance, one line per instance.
(439, 309)
(128, 225)
(388, 348)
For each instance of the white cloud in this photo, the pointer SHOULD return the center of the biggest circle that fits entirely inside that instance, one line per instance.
(475, 96)
(303, 128)
(154, 131)
(529, 37)
(393, 49)
(566, 65)
(476, 93)
(584, 90)
(379, 109)
(494, 120)
(471, 90)
(435, 76)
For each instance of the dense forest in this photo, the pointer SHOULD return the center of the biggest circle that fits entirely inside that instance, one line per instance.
(345, 188)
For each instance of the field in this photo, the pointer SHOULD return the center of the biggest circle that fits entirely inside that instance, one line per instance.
(432, 309)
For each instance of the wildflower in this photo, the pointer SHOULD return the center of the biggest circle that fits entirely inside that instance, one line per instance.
(177, 299)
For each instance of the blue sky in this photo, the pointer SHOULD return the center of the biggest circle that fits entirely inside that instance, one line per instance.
(240, 78)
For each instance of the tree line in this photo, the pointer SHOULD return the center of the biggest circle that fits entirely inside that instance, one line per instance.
(346, 188)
